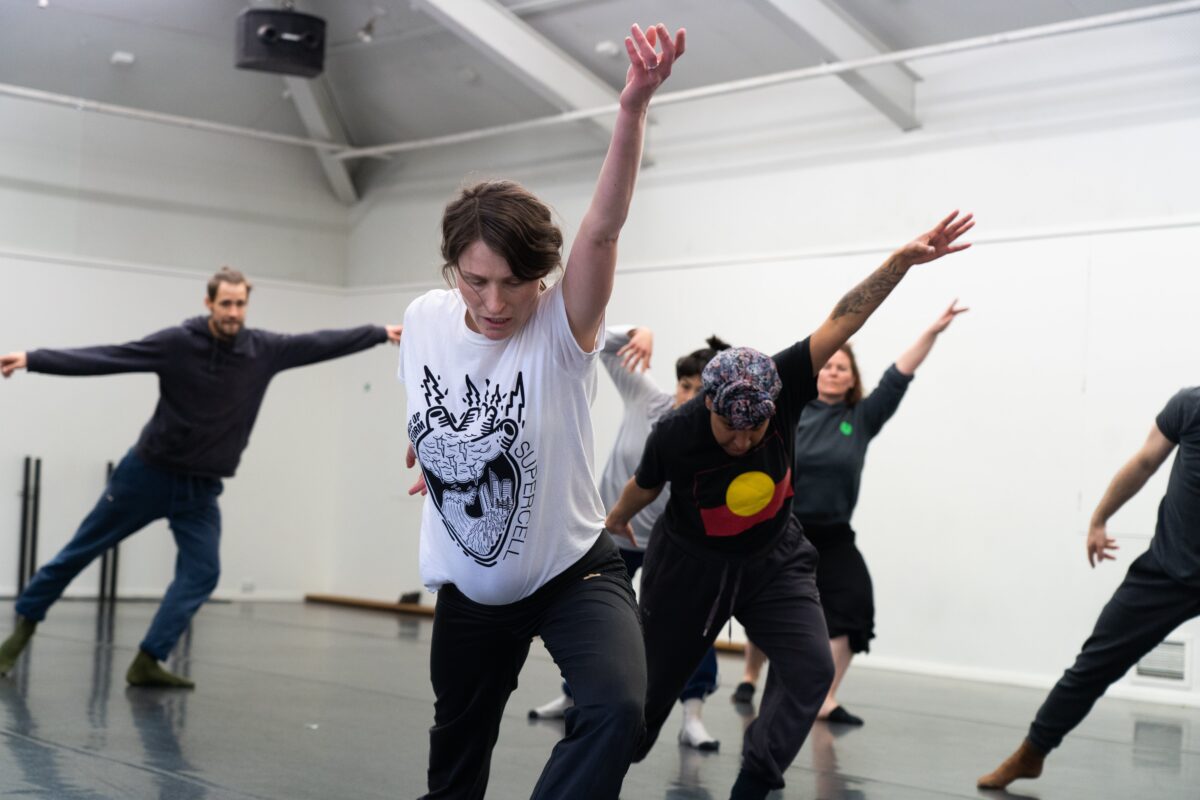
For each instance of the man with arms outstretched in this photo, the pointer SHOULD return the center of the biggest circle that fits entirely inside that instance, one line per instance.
(212, 373)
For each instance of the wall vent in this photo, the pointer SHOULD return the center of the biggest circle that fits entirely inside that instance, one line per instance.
(1168, 662)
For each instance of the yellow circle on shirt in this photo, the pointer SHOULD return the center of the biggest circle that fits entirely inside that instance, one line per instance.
(749, 493)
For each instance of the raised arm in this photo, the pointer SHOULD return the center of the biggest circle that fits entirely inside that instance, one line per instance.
(1128, 481)
(861, 301)
(914, 356)
(588, 280)
(626, 356)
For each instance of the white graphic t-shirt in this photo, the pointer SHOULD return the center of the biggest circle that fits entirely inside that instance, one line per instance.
(503, 433)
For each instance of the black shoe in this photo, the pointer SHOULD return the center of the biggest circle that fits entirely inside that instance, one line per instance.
(744, 693)
(840, 716)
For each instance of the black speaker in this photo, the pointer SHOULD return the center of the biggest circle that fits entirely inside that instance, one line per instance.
(277, 40)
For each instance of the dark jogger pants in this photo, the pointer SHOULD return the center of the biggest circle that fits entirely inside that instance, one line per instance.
(587, 617)
(688, 596)
(1146, 607)
(704, 680)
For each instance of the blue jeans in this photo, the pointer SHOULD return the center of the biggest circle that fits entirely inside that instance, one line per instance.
(137, 495)
(703, 681)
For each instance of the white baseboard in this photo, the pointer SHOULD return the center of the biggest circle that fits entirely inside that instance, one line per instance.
(1122, 690)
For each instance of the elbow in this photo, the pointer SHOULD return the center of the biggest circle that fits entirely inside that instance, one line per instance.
(606, 240)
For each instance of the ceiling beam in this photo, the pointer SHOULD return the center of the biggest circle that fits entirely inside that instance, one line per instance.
(315, 106)
(890, 88)
(533, 59)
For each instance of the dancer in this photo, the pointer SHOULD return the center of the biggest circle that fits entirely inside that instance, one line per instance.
(626, 357)
(728, 544)
(500, 372)
(831, 446)
(1160, 592)
(212, 375)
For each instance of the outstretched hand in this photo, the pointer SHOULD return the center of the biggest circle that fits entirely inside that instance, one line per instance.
(647, 68)
(1099, 543)
(939, 241)
(636, 354)
(943, 322)
(11, 363)
(393, 334)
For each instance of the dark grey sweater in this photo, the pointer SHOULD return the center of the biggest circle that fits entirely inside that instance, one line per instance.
(831, 446)
(209, 390)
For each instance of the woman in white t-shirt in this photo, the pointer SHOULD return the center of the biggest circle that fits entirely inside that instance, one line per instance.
(500, 372)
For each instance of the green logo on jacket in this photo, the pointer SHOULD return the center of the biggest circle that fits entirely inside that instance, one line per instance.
(846, 428)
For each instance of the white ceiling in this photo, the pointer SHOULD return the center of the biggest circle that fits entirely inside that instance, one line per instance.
(417, 79)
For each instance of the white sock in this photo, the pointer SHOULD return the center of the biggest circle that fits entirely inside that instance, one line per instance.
(555, 709)
(693, 733)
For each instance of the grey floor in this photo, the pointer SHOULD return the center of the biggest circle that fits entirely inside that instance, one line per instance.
(299, 701)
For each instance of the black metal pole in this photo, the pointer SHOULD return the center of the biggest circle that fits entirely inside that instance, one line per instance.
(33, 517)
(105, 557)
(104, 576)
(112, 573)
(116, 554)
(25, 496)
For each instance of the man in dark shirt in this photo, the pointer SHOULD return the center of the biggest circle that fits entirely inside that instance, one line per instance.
(1160, 592)
(212, 375)
(728, 544)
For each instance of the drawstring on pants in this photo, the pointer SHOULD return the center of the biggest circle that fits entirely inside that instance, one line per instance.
(737, 583)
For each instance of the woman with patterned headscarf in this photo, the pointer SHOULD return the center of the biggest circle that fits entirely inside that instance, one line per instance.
(728, 545)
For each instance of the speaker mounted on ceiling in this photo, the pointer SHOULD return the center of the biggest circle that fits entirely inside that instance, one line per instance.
(282, 41)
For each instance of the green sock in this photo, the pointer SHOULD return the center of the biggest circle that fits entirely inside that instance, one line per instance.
(146, 671)
(15, 643)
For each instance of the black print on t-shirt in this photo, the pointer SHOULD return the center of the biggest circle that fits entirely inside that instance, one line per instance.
(468, 463)
(735, 496)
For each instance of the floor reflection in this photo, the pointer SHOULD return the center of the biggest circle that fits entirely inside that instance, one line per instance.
(690, 783)
(41, 764)
(831, 784)
(160, 717)
(1158, 744)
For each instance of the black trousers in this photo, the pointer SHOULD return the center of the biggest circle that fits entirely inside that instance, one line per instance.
(1146, 607)
(588, 619)
(688, 596)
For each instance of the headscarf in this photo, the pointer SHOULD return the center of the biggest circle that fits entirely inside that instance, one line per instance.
(742, 384)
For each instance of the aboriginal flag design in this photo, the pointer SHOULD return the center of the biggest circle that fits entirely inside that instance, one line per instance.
(736, 496)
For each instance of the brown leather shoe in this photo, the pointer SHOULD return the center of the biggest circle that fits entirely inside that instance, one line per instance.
(1026, 762)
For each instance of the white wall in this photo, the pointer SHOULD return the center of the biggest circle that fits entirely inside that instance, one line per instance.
(1078, 156)
(77, 185)
(375, 554)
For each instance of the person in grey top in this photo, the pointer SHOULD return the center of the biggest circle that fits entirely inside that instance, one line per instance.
(1160, 592)
(831, 447)
(626, 357)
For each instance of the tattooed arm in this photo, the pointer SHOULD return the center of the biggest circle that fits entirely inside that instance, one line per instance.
(860, 302)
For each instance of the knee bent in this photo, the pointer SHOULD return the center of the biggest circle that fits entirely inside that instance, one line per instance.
(205, 579)
(624, 713)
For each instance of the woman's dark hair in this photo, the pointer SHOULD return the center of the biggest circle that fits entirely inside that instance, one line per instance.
(855, 393)
(694, 362)
(510, 220)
